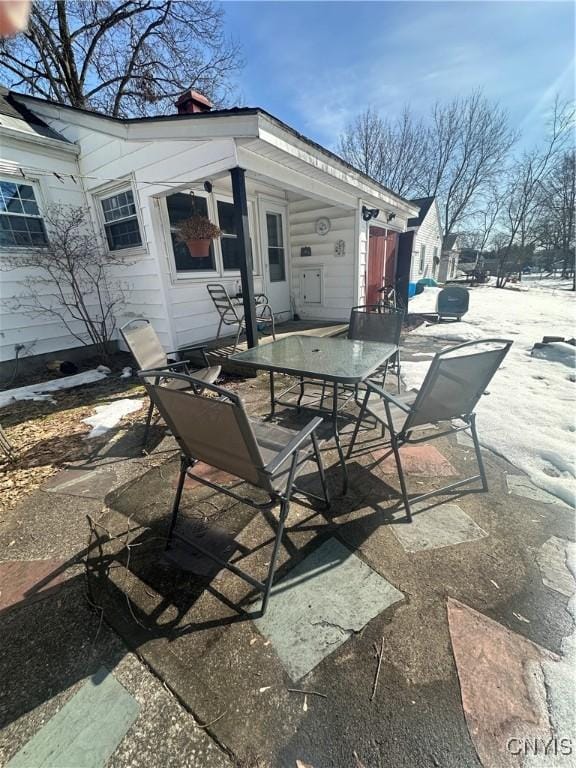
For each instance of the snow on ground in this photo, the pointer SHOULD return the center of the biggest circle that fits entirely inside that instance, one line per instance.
(108, 416)
(43, 390)
(527, 416)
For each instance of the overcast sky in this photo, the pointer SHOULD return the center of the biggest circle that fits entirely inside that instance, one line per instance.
(317, 64)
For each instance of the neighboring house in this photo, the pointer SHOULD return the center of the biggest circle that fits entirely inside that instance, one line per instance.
(450, 258)
(421, 245)
(312, 249)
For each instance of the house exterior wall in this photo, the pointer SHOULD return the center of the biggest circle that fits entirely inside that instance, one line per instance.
(448, 265)
(40, 334)
(429, 234)
(112, 158)
(337, 271)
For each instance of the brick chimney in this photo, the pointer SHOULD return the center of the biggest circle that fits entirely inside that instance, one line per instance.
(191, 102)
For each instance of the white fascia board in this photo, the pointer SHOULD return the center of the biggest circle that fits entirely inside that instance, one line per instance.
(225, 127)
(50, 146)
(287, 178)
(284, 140)
(50, 111)
(209, 127)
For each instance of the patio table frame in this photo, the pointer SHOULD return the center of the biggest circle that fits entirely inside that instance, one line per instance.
(261, 358)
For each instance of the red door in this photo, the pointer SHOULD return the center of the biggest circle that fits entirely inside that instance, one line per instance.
(382, 248)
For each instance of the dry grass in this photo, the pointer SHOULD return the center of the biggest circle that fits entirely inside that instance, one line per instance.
(47, 436)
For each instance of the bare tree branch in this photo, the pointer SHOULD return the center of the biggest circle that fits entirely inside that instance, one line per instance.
(123, 57)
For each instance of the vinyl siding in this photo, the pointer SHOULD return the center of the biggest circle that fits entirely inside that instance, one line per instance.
(429, 233)
(337, 271)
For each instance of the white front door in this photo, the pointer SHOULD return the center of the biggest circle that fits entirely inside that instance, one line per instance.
(275, 258)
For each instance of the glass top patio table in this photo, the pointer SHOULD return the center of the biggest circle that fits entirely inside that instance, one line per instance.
(341, 360)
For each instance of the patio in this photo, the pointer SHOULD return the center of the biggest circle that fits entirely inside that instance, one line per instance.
(265, 696)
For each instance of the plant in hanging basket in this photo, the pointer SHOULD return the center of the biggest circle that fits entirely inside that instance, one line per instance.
(197, 232)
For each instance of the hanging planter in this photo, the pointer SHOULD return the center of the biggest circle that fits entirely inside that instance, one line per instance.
(197, 233)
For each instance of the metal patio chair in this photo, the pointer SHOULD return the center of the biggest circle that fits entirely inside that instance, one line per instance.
(455, 381)
(218, 432)
(370, 323)
(233, 314)
(146, 349)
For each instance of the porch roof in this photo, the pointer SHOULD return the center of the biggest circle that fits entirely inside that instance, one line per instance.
(242, 124)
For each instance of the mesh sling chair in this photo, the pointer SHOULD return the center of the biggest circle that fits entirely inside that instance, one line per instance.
(455, 381)
(372, 323)
(218, 432)
(145, 347)
(367, 323)
(232, 314)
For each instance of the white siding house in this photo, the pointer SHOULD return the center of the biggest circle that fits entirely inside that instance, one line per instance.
(137, 176)
(427, 240)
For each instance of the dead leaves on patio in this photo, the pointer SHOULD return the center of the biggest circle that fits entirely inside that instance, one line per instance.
(46, 437)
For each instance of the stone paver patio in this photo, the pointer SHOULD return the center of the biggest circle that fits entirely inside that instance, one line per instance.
(298, 684)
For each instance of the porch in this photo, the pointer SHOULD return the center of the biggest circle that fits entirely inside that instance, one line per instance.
(220, 350)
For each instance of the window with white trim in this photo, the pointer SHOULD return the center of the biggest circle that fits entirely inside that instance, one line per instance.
(121, 221)
(181, 206)
(422, 257)
(229, 237)
(21, 224)
(223, 257)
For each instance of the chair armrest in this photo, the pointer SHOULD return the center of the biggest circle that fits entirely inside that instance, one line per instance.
(261, 308)
(387, 396)
(293, 445)
(202, 349)
(168, 367)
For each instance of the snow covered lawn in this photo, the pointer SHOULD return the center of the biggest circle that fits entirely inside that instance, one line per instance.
(528, 414)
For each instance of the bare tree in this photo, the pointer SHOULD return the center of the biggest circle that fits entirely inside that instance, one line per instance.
(69, 281)
(484, 220)
(468, 142)
(389, 151)
(556, 210)
(526, 183)
(455, 156)
(122, 57)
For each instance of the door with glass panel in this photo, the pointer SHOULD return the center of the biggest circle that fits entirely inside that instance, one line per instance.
(275, 258)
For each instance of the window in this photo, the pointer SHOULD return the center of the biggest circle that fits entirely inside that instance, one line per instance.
(21, 224)
(422, 257)
(435, 261)
(121, 221)
(181, 206)
(276, 259)
(229, 239)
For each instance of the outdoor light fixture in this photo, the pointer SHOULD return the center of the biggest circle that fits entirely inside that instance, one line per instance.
(391, 216)
(369, 213)
(208, 186)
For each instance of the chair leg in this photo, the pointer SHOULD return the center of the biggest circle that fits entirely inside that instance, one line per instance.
(184, 464)
(301, 395)
(478, 452)
(320, 464)
(148, 422)
(398, 370)
(284, 509)
(358, 422)
(322, 396)
(237, 338)
(394, 444)
(219, 329)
